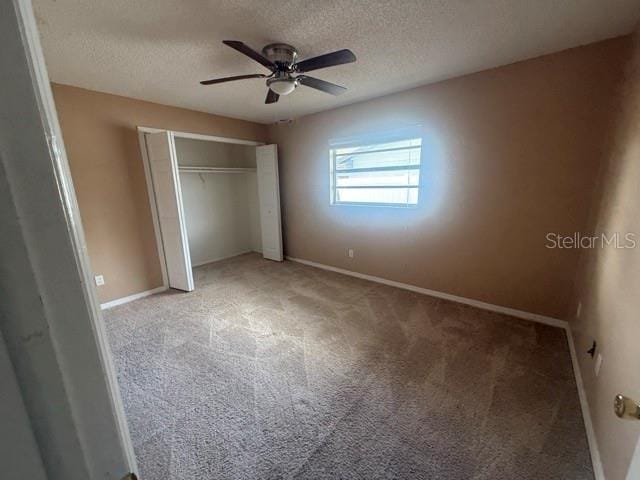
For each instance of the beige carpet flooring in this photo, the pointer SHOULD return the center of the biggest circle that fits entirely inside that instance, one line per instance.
(278, 370)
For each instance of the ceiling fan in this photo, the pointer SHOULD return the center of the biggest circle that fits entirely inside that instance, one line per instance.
(286, 71)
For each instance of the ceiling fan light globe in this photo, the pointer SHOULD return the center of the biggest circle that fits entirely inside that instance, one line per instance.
(283, 86)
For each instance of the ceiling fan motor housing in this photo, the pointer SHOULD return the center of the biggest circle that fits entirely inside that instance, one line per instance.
(282, 54)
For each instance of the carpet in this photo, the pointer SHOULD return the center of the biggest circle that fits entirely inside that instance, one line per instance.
(284, 371)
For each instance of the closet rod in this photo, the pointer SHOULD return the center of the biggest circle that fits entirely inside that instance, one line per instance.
(189, 169)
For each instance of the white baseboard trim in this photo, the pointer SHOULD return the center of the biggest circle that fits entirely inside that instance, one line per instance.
(445, 296)
(584, 405)
(217, 259)
(136, 296)
(598, 471)
(131, 298)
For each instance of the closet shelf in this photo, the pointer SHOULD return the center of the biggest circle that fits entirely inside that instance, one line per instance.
(194, 169)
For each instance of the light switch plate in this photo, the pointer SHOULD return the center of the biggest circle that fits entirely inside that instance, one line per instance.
(99, 280)
(351, 253)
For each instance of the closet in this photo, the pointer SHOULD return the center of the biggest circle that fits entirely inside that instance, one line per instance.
(212, 198)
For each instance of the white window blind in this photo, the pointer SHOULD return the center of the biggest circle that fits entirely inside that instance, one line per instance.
(381, 170)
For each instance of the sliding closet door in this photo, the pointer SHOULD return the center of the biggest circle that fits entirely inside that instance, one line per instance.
(269, 195)
(166, 185)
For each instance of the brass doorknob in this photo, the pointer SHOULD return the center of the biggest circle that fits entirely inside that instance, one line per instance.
(627, 408)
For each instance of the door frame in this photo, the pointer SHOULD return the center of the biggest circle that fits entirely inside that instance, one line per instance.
(142, 130)
(58, 345)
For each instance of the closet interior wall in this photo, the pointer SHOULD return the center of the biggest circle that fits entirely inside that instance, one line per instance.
(221, 209)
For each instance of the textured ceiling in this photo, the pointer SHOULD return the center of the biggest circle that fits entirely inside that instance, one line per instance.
(158, 50)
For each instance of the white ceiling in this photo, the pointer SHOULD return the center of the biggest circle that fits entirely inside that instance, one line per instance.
(158, 50)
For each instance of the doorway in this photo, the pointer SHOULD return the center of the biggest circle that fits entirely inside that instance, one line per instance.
(211, 198)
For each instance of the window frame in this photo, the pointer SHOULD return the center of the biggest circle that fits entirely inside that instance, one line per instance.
(375, 139)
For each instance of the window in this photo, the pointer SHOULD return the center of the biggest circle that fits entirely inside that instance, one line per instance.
(383, 170)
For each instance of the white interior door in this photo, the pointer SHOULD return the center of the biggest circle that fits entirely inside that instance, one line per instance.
(163, 164)
(269, 195)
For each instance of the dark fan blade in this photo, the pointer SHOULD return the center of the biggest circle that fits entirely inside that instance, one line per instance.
(272, 97)
(231, 79)
(318, 84)
(249, 52)
(326, 60)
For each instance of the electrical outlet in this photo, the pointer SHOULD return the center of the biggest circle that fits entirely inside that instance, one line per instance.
(596, 367)
(99, 280)
(351, 253)
(579, 309)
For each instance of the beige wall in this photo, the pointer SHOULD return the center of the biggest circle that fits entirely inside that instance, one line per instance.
(517, 151)
(609, 287)
(100, 136)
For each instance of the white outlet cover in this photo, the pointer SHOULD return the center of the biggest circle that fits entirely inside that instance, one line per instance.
(598, 364)
(351, 253)
(99, 280)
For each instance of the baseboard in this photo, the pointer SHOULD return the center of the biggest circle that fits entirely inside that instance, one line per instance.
(217, 259)
(131, 298)
(586, 412)
(136, 296)
(534, 317)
